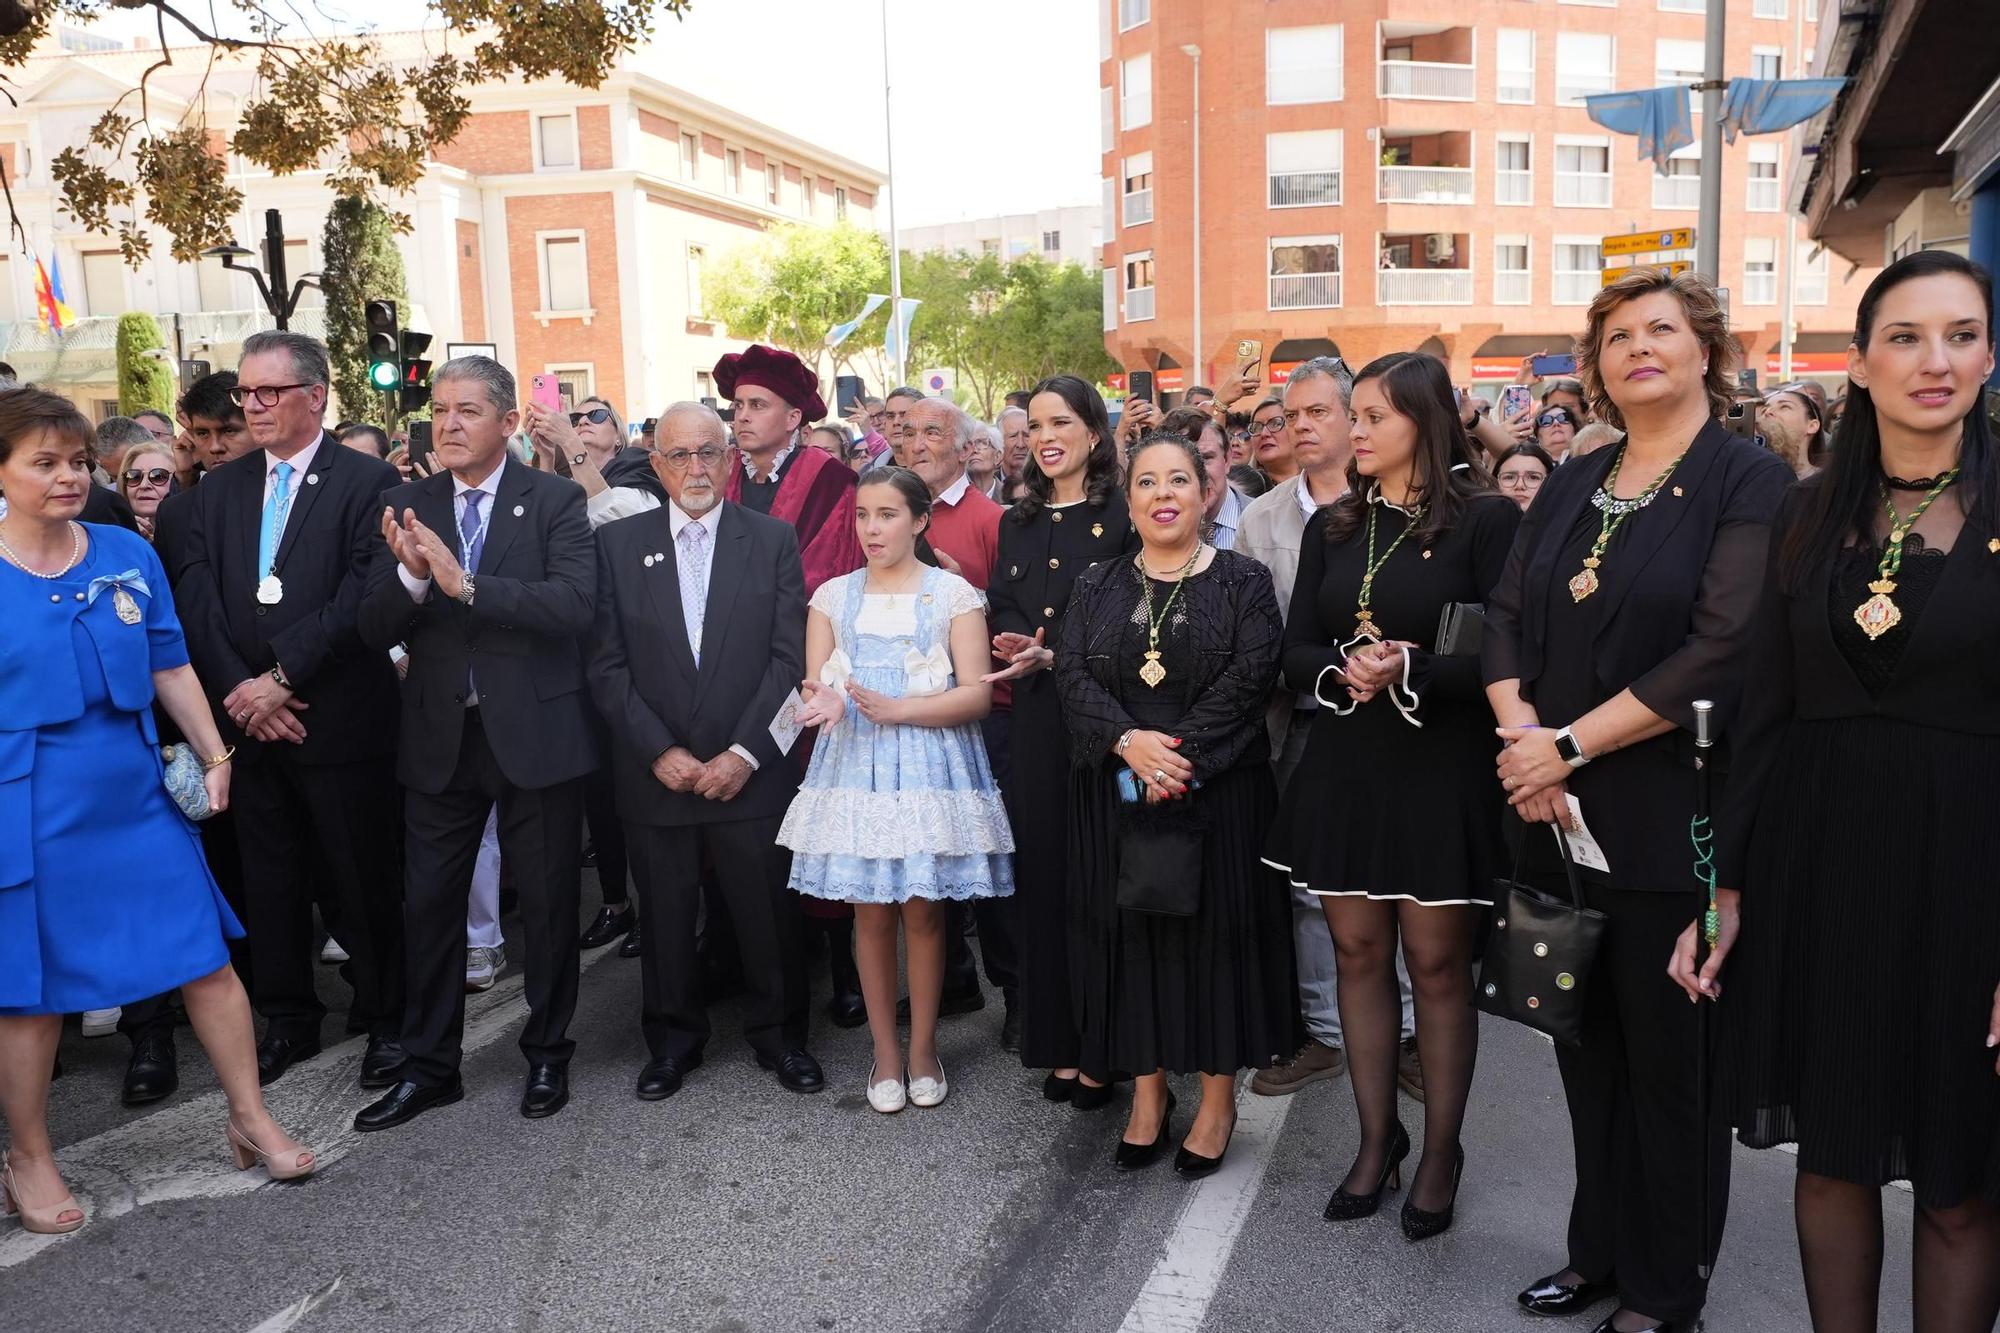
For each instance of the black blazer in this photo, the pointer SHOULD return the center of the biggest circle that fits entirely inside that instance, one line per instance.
(753, 656)
(534, 589)
(633, 467)
(330, 539)
(171, 522)
(104, 505)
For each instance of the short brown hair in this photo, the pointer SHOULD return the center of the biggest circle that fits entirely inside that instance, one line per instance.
(26, 412)
(1699, 302)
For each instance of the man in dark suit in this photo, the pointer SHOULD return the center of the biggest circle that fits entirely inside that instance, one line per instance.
(276, 558)
(700, 641)
(487, 576)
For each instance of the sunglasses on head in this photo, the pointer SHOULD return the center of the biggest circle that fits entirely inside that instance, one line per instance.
(159, 476)
(596, 416)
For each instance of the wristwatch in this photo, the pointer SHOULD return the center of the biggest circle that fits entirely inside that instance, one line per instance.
(578, 460)
(1569, 750)
(464, 597)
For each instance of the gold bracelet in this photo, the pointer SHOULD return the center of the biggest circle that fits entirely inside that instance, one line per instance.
(217, 761)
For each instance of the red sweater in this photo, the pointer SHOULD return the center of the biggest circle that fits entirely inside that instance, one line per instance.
(969, 532)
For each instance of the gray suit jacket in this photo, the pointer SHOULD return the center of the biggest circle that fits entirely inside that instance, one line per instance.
(1269, 531)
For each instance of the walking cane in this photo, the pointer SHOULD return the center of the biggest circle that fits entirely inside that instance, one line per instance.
(1703, 836)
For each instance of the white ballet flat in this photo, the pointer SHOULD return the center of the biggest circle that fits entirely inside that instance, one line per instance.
(929, 1091)
(886, 1096)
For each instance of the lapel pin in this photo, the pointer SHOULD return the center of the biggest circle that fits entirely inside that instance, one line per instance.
(649, 562)
(1097, 529)
(1427, 555)
(312, 478)
(1678, 492)
(1994, 546)
(520, 510)
(659, 557)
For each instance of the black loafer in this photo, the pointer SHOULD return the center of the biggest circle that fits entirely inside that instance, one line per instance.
(153, 1072)
(631, 947)
(846, 1009)
(1550, 1297)
(405, 1102)
(611, 924)
(277, 1054)
(661, 1078)
(797, 1071)
(547, 1091)
(382, 1063)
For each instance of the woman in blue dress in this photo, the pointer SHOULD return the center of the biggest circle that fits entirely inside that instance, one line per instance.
(94, 916)
(899, 812)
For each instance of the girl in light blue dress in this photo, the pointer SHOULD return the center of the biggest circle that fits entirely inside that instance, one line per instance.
(899, 812)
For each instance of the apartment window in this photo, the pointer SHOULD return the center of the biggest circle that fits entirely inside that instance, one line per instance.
(1767, 62)
(1586, 62)
(732, 170)
(575, 382)
(840, 203)
(103, 282)
(808, 196)
(990, 247)
(1680, 187)
(1511, 276)
(1676, 61)
(773, 175)
(1135, 83)
(1809, 277)
(1583, 173)
(697, 260)
(1051, 242)
(555, 142)
(1139, 286)
(1685, 6)
(1760, 270)
(1515, 60)
(1138, 189)
(1305, 272)
(1107, 111)
(565, 272)
(1762, 185)
(690, 156)
(1131, 13)
(1302, 65)
(1110, 299)
(1770, 9)
(1578, 264)
(1110, 216)
(1598, 4)
(1514, 170)
(1303, 168)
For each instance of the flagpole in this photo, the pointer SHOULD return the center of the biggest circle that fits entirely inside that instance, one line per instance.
(1791, 270)
(1708, 235)
(895, 247)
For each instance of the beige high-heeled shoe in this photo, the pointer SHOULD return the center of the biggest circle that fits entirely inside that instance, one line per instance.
(291, 1164)
(41, 1221)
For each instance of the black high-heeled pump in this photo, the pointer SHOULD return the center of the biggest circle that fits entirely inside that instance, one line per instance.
(1193, 1166)
(1345, 1207)
(1138, 1156)
(1422, 1223)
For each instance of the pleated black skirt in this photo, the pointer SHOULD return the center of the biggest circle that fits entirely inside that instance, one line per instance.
(1856, 1005)
(1037, 797)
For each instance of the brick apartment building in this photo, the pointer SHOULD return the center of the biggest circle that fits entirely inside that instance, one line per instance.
(564, 228)
(1385, 175)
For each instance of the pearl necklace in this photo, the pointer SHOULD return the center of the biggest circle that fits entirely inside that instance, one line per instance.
(75, 555)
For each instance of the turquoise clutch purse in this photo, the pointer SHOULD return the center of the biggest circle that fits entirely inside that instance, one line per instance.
(185, 780)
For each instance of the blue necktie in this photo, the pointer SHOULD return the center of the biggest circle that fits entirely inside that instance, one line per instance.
(276, 507)
(471, 540)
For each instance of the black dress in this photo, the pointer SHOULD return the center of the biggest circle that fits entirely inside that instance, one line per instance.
(1863, 834)
(1215, 992)
(1037, 562)
(1382, 807)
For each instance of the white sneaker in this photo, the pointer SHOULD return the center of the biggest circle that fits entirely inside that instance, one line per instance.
(101, 1022)
(886, 1096)
(331, 952)
(482, 967)
(929, 1091)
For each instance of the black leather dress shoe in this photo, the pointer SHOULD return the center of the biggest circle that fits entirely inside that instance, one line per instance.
(382, 1063)
(153, 1072)
(611, 923)
(961, 1001)
(797, 1071)
(1010, 1031)
(846, 1009)
(1548, 1296)
(631, 947)
(277, 1054)
(661, 1078)
(547, 1091)
(405, 1102)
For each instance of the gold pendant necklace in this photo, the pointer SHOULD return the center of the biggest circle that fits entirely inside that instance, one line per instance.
(1364, 620)
(1153, 672)
(1616, 511)
(1880, 614)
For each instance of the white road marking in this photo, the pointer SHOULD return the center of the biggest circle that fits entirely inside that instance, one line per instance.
(1177, 1293)
(289, 1317)
(181, 1151)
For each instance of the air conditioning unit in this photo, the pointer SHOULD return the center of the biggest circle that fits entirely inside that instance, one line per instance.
(1439, 247)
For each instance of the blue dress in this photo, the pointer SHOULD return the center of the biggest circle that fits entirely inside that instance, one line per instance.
(890, 813)
(105, 896)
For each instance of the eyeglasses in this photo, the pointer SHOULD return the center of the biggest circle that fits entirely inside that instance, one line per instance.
(596, 416)
(679, 458)
(1266, 427)
(267, 394)
(159, 476)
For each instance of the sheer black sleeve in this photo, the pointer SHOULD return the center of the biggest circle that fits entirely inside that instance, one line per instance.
(1227, 717)
(1309, 646)
(1500, 641)
(1490, 527)
(1091, 713)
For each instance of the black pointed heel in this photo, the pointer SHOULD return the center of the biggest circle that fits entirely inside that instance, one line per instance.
(1345, 1207)
(1421, 1223)
(1138, 1156)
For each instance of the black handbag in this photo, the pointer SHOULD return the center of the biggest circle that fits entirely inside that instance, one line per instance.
(1159, 855)
(1461, 625)
(1540, 953)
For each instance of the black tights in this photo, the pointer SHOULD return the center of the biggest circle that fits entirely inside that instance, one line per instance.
(1955, 1273)
(1437, 948)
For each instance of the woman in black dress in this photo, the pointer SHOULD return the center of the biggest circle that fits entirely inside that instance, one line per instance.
(1165, 664)
(1071, 518)
(1629, 594)
(1376, 570)
(1864, 991)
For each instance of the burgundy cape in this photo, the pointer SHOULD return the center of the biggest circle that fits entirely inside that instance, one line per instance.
(815, 496)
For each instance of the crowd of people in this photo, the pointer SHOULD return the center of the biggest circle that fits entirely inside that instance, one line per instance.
(1179, 712)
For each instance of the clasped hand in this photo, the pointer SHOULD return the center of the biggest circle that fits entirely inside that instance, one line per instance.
(422, 552)
(1024, 656)
(266, 710)
(720, 779)
(1155, 759)
(1372, 667)
(1534, 776)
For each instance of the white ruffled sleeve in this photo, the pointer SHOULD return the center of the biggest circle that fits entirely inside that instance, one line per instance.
(828, 599)
(960, 597)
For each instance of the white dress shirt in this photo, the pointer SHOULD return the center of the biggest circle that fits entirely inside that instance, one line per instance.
(419, 589)
(1227, 519)
(678, 521)
(301, 462)
(952, 494)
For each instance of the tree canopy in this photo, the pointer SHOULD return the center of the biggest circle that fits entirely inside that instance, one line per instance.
(1003, 325)
(791, 285)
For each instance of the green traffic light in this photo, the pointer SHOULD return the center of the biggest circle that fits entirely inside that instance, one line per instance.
(384, 374)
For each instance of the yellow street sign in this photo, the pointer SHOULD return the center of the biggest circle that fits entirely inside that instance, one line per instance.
(1674, 269)
(1649, 242)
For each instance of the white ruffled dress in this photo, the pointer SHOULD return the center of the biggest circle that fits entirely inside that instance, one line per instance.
(890, 813)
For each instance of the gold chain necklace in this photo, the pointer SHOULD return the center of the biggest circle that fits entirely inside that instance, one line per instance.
(1616, 511)
(1364, 622)
(1880, 614)
(75, 555)
(1153, 672)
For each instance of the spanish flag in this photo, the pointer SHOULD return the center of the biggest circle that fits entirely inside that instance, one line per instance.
(49, 305)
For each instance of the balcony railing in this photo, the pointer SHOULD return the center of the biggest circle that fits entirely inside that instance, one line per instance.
(1139, 303)
(1760, 287)
(1763, 194)
(1301, 189)
(1575, 288)
(1138, 207)
(1423, 286)
(1426, 80)
(1510, 288)
(1304, 291)
(1423, 185)
(1586, 191)
(1676, 192)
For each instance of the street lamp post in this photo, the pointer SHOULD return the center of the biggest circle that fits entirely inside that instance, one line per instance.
(277, 300)
(1193, 53)
(1708, 234)
(895, 252)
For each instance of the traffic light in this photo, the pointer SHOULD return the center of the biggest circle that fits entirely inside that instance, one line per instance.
(416, 381)
(385, 370)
